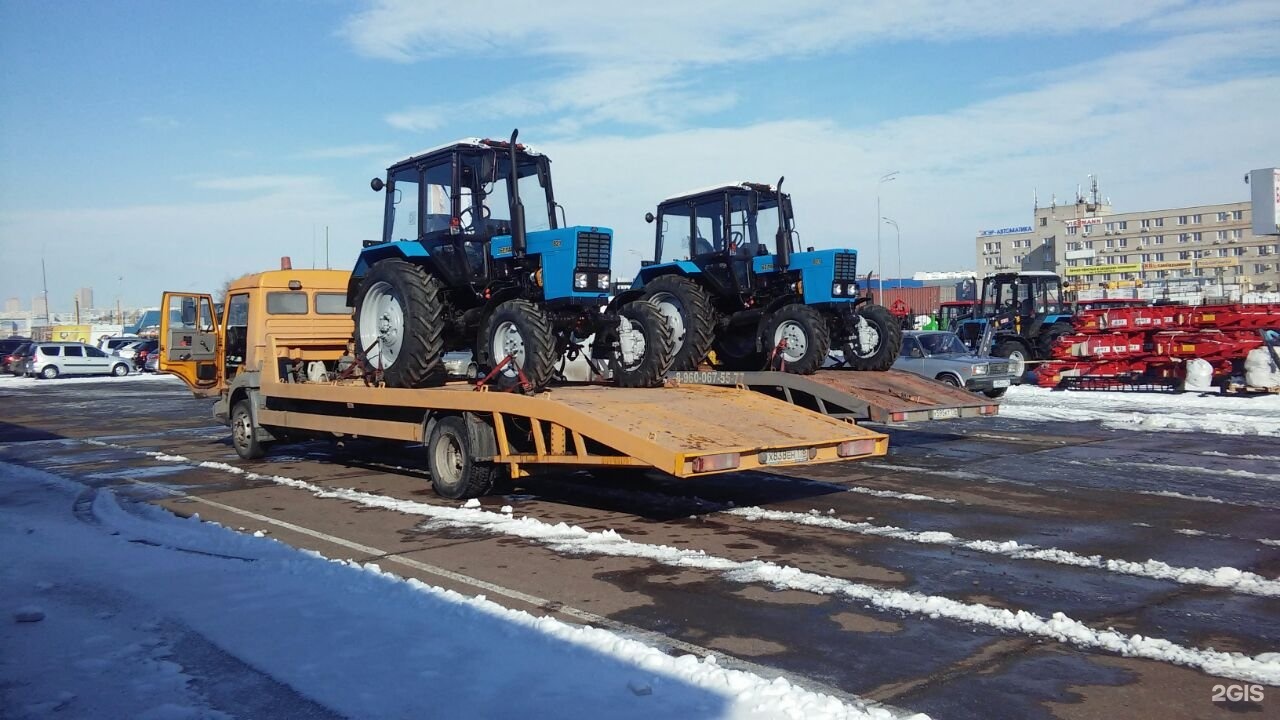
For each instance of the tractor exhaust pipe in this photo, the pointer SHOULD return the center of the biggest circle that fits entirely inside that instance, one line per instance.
(518, 240)
(782, 260)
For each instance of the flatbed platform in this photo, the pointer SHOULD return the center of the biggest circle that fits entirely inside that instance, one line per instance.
(891, 397)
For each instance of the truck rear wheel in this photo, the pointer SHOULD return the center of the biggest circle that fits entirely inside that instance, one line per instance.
(688, 312)
(517, 328)
(455, 472)
(645, 343)
(399, 325)
(876, 341)
(244, 434)
(796, 339)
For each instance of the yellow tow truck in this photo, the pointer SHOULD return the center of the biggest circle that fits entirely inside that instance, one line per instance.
(278, 359)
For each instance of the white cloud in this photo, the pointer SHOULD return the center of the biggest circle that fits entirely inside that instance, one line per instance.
(348, 152)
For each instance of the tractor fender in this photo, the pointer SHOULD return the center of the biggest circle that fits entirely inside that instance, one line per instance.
(623, 298)
(679, 267)
(411, 251)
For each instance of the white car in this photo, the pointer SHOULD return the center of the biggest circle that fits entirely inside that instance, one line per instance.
(53, 359)
(115, 342)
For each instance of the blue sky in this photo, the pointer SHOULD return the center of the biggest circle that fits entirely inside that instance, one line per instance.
(176, 145)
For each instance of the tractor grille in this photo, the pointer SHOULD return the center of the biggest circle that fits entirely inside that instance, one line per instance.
(998, 368)
(846, 267)
(593, 251)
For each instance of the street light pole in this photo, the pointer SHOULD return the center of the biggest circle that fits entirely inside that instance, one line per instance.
(887, 177)
(897, 230)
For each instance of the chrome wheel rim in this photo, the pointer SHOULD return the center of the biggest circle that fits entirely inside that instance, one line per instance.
(1017, 363)
(796, 340)
(672, 311)
(242, 430)
(507, 340)
(381, 325)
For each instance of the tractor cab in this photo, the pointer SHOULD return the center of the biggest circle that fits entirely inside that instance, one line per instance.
(1019, 315)
(722, 231)
(952, 312)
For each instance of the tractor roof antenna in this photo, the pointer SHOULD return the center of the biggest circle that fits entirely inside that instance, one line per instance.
(518, 242)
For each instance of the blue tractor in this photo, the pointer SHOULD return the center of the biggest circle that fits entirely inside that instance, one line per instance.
(459, 267)
(730, 291)
(1020, 315)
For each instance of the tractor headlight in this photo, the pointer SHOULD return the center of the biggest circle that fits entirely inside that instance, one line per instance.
(602, 282)
(837, 289)
(580, 281)
(979, 369)
(851, 289)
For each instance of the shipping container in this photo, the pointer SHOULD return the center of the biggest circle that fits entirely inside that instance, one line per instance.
(910, 301)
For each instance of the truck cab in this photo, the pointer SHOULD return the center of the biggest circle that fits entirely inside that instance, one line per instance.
(222, 354)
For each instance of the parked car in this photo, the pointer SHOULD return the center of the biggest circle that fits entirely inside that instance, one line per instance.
(136, 352)
(152, 363)
(943, 356)
(115, 342)
(15, 362)
(54, 359)
(11, 343)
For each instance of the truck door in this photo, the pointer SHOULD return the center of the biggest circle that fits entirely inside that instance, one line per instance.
(189, 340)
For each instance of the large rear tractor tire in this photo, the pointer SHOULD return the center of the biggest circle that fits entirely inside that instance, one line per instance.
(645, 346)
(687, 309)
(876, 341)
(735, 349)
(796, 339)
(519, 329)
(1016, 354)
(456, 474)
(1050, 335)
(400, 325)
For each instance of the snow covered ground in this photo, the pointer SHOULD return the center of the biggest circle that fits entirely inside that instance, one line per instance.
(119, 609)
(13, 382)
(1185, 412)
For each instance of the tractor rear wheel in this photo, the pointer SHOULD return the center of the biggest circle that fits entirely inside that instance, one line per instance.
(735, 349)
(796, 339)
(400, 325)
(1016, 353)
(520, 330)
(876, 341)
(1049, 337)
(645, 345)
(687, 309)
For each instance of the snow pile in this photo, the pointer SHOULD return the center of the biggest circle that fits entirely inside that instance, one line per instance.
(129, 597)
(13, 382)
(1224, 415)
(1224, 577)
(1199, 376)
(571, 539)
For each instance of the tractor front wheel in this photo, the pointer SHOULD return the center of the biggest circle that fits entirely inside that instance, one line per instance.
(876, 341)
(796, 339)
(687, 309)
(1016, 354)
(400, 325)
(519, 330)
(645, 345)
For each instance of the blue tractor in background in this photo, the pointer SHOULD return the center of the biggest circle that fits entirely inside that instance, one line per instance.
(1020, 315)
(725, 287)
(459, 268)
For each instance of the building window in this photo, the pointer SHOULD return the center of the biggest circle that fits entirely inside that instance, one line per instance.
(1071, 230)
(1222, 217)
(1146, 257)
(1222, 234)
(1184, 273)
(1159, 240)
(1163, 274)
(1237, 251)
(1110, 227)
(1183, 237)
(1124, 224)
(1111, 243)
(1159, 222)
(1237, 214)
(1222, 252)
(1261, 268)
(1184, 255)
(1196, 236)
(1159, 257)
(1182, 219)
(1146, 223)
(1238, 270)
(1044, 221)
(1124, 242)
(1195, 219)
(1263, 250)
(1237, 234)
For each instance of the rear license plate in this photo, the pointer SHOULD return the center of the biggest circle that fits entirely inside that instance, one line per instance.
(782, 457)
(945, 413)
(999, 383)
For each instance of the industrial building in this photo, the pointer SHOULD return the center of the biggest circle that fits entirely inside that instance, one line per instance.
(1211, 250)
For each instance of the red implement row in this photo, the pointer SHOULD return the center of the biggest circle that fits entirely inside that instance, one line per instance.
(1165, 317)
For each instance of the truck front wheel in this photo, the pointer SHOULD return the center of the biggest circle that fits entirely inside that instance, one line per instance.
(244, 434)
(455, 472)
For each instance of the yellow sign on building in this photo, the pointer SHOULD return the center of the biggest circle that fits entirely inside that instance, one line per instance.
(1217, 262)
(70, 333)
(1166, 265)
(1118, 268)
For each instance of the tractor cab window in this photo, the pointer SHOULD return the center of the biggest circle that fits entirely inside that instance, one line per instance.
(1048, 295)
(494, 201)
(402, 205)
(673, 234)
(436, 209)
(750, 234)
(710, 227)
